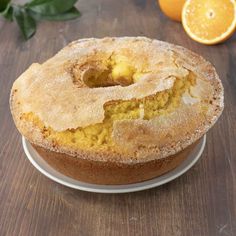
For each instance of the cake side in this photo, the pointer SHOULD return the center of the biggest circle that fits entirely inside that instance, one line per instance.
(108, 173)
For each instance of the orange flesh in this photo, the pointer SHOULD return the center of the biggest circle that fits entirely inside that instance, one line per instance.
(209, 19)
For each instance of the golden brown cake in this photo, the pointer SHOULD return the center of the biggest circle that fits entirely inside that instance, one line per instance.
(117, 110)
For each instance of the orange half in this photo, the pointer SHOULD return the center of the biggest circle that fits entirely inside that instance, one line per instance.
(209, 21)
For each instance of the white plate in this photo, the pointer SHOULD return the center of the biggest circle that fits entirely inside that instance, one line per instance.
(51, 173)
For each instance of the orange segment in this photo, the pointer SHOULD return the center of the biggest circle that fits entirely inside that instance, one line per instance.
(209, 21)
(172, 8)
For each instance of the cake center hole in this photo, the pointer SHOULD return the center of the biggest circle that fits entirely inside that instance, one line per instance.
(120, 74)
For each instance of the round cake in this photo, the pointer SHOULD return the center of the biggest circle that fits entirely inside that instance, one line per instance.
(117, 110)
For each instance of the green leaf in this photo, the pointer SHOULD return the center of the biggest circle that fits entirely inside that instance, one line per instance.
(25, 22)
(27, 15)
(69, 15)
(7, 13)
(3, 5)
(50, 7)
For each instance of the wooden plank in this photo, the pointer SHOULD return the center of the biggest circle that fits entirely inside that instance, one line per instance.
(201, 202)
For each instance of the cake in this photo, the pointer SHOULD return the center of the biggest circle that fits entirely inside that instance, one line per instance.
(117, 110)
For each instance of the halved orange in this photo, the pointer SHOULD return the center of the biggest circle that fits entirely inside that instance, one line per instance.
(172, 8)
(209, 21)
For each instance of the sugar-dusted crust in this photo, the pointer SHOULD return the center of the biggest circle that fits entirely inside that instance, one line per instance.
(56, 91)
(137, 140)
(100, 172)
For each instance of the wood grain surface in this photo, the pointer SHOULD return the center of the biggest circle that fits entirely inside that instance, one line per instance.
(201, 202)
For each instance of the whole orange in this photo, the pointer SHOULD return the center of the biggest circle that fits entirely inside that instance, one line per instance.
(172, 8)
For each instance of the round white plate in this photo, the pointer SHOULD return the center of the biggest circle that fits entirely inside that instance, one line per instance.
(39, 163)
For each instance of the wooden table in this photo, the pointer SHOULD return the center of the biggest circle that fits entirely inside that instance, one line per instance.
(201, 202)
